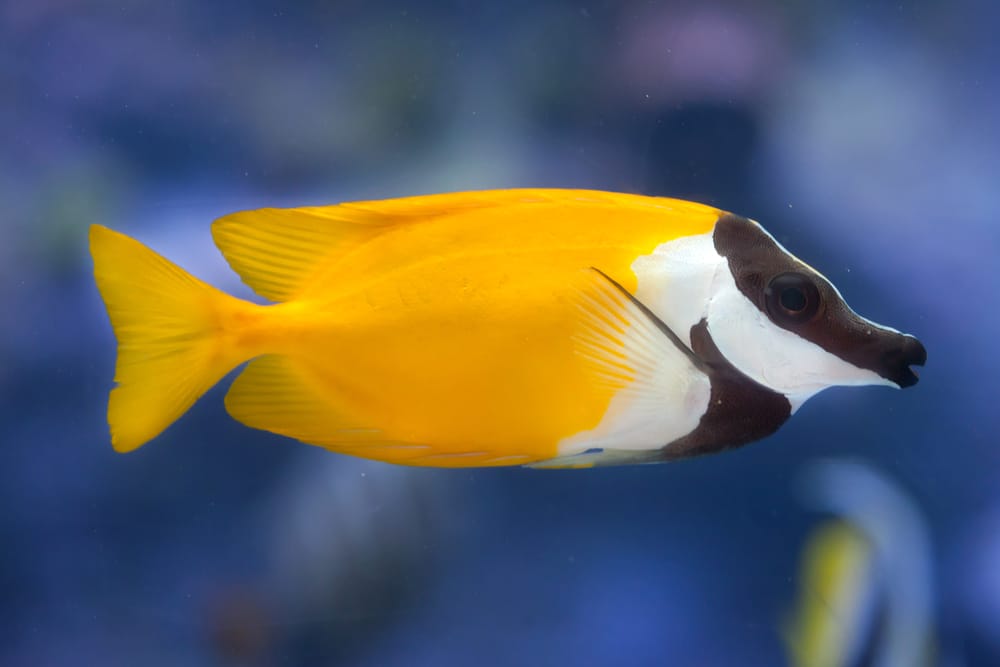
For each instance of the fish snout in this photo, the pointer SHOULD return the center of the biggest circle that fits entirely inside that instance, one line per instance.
(902, 352)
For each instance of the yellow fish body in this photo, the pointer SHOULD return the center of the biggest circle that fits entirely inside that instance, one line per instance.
(471, 329)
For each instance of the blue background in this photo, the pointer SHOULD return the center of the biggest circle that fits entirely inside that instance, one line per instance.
(864, 135)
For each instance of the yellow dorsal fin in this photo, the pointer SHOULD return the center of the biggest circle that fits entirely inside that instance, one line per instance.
(278, 251)
(429, 206)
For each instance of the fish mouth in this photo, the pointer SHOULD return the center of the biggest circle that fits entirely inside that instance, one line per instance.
(897, 364)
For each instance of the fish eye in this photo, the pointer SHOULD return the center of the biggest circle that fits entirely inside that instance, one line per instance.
(791, 298)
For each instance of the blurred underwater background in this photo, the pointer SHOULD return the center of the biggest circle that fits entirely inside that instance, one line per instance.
(863, 135)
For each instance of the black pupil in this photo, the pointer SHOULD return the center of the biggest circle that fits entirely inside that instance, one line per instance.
(793, 299)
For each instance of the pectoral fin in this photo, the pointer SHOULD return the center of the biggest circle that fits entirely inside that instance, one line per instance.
(661, 388)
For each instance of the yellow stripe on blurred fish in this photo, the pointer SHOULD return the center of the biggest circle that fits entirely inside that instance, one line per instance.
(836, 585)
(553, 327)
(866, 580)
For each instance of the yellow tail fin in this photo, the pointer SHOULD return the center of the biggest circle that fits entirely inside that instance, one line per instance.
(172, 336)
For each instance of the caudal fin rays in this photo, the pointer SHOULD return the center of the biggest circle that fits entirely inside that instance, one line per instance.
(168, 325)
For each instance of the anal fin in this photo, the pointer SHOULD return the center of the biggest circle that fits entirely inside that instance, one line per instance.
(277, 394)
(285, 396)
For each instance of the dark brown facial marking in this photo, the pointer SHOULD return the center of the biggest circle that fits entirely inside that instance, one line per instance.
(797, 299)
(739, 409)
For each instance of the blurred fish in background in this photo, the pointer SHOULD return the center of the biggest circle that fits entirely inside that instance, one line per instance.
(866, 582)
(832, 623)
